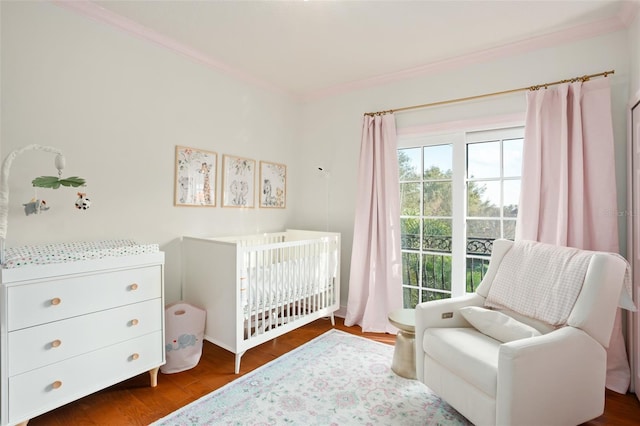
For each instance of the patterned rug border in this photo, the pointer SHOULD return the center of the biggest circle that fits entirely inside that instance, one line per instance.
(440, 414)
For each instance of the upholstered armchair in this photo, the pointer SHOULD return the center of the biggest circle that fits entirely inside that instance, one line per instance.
(529, 347)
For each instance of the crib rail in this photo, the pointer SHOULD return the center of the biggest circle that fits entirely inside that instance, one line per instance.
(282, 283)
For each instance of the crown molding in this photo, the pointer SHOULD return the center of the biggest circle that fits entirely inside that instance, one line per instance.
(100, 14)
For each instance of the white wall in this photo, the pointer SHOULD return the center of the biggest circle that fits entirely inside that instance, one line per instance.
(117, 106)
(634, 53)
(331, 127)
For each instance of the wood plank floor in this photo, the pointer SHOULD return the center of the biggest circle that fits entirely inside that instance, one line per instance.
(133, 402)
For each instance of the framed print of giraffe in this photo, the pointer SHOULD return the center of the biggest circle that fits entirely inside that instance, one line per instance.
(238, 181)
(273, 185)
(195, 177)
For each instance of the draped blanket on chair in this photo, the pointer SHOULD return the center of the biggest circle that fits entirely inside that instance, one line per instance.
(551, 299)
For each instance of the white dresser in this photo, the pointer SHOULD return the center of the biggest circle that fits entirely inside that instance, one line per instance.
(70, 329)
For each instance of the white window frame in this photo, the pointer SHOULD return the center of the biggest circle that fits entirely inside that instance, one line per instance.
(459, 140)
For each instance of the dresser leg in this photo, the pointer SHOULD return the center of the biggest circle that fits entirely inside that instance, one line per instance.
(153, 375)
(23, 423)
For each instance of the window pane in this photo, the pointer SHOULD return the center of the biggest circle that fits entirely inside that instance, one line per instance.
(437, 199)
(410, 233)
(436, 271)
(410, 269)
(409, 164)
(476, 268)
(510, 229)
(483, 160)
(410, 296)
(512, 151)
(438, 162)
(483, 199)
(483, 228)
(511, 197)
(436, 235)
(434, 295)
(410, 199)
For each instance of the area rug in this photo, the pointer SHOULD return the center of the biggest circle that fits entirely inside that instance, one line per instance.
(335, 379)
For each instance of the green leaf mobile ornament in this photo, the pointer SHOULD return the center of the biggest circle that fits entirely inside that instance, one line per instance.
(54, 182)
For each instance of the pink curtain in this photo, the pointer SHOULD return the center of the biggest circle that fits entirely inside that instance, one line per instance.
(568, 193)
(375, 284)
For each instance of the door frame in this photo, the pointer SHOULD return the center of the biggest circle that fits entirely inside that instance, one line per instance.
(633, 243)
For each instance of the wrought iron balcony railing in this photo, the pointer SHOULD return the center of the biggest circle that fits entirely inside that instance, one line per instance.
(442, 244)
(434, 274)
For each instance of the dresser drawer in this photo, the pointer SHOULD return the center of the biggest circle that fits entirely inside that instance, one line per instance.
(47, 301)
(35, 347)
(36, 391)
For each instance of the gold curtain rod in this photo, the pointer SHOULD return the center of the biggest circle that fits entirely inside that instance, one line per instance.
(470, 98)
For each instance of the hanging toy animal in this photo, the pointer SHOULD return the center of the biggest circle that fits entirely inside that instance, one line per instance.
(82, 203)
(35, 206)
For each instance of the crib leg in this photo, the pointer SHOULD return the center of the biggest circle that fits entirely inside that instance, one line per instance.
(333, 320)
(238, 356)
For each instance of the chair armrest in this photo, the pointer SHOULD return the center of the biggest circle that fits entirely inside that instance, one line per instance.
(444, 313)
(595, 309)
(561, 369)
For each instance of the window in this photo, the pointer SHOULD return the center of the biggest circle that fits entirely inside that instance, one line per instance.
(458, 193)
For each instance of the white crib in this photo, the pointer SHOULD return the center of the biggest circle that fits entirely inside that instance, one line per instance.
(258, 287)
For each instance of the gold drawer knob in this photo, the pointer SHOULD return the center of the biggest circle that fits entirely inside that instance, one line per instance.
(133, 287)
(56, 301)
(56, 385)
(56, 343)
(135, 356)
(134, 322)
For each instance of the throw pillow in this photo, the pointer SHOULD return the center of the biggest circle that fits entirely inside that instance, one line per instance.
(497, 325)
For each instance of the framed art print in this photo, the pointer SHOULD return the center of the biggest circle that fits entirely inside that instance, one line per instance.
(273, 185)
(195, 177)
(238, 181)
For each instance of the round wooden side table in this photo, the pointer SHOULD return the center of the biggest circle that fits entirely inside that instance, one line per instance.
(404, 354)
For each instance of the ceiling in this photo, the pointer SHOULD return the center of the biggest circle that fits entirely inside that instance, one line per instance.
(307, 48)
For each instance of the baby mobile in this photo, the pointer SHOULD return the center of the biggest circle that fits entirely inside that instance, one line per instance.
(36, 205)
